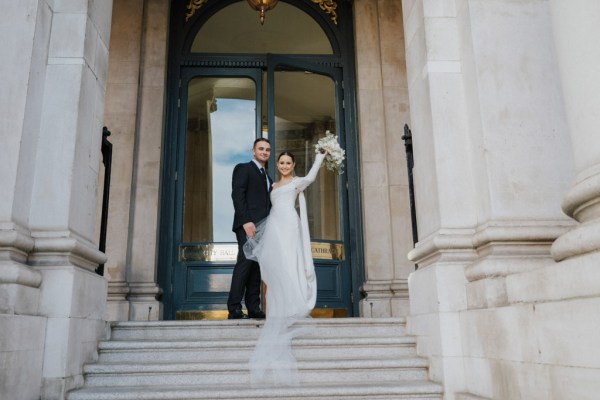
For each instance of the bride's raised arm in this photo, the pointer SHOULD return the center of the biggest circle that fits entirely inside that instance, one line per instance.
(302, 183)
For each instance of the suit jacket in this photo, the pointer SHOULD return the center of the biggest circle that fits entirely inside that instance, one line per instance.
(250, 195)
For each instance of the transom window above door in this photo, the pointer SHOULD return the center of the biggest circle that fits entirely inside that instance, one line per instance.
(236, 29)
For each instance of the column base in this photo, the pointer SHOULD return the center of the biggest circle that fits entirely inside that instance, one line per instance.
(74, 299)
(64, 248)
(581, 240)
(385, 299)
(117, 306)
(505, 248)
(143, 303)
(577, 277)
(19, 284)
(583, 204)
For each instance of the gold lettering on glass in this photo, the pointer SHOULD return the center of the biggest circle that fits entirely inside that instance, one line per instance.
(329, 7)
(327, 251)
(228, 252)
(208, 252)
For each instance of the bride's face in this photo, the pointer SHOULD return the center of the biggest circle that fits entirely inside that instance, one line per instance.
(285, 165)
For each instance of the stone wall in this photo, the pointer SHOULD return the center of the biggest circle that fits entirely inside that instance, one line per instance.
(495, 313)
(51, 301)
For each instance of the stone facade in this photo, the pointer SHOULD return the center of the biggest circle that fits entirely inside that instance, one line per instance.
(502, 98)
(53, 78)
(503, 298)
(138, 49)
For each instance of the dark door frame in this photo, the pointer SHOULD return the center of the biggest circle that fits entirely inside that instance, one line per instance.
(181, 36)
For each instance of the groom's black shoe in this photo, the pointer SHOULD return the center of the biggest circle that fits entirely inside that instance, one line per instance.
(256, 314)
(237, 314)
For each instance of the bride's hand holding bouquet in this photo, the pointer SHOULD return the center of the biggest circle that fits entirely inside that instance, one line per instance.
(334, 154)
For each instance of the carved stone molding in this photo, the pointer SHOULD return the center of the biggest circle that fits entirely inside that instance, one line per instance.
(54, 248)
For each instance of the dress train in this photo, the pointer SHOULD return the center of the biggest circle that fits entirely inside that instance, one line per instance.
(282, 248)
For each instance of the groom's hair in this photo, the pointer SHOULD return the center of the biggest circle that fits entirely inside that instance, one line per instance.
(260, 139)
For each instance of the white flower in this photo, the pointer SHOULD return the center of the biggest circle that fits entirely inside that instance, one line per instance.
(333, 160)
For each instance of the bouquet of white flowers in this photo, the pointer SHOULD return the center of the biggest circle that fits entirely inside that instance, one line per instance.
(333, 160)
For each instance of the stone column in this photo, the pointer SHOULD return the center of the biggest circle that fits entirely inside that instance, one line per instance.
(61, 215)
(383, 111)
(143, 247)
(491, 162)
(22, 73)
(121, 114)
(576, 34)
(444, 185)
(516, 119)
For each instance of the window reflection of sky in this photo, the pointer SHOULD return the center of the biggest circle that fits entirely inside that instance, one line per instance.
(233, 132)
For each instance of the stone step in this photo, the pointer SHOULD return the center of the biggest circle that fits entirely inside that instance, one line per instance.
(240, 350)
(208, 330)
(414, 390)
(352, 358)
(223, 373)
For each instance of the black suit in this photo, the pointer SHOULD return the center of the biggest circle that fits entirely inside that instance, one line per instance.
(251, 202)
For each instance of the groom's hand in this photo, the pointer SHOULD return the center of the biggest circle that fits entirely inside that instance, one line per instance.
(250, 229)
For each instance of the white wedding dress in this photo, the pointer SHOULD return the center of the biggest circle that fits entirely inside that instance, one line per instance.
(282, 248)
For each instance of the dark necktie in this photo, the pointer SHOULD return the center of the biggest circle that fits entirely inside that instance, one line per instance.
(264, 174)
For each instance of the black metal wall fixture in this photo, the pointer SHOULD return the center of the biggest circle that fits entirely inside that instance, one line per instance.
(107, 161)
(407, 137)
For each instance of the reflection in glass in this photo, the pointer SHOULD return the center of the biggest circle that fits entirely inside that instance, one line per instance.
(235, 29)
(221, 126)
(304, 110)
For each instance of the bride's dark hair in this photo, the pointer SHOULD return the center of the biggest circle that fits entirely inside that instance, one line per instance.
(287, 153)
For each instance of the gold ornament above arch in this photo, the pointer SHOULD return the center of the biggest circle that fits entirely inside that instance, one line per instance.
(192, 6)
(329, 6)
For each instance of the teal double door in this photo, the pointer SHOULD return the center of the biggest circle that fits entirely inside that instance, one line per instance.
(221, 111)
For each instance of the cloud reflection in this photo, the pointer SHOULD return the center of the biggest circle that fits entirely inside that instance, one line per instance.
(233, 128)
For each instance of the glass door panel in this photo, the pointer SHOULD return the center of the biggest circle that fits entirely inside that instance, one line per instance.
(305, 101)
(221, 126)
(305, 108)
(219, 116)
(222, 112)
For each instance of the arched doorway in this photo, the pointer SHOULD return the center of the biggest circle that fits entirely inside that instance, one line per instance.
(232, 80)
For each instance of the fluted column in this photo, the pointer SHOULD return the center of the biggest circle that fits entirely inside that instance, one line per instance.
(576, 33)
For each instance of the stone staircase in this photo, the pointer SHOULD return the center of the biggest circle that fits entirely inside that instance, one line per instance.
(345, 358)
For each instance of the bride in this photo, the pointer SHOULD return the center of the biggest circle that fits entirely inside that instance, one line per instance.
(282, 248)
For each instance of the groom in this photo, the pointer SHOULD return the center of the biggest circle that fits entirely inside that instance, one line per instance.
(250, 193)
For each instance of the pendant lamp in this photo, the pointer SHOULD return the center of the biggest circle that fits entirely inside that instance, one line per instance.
(262, 6)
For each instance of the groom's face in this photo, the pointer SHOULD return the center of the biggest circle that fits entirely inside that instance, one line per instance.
(262, 152)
